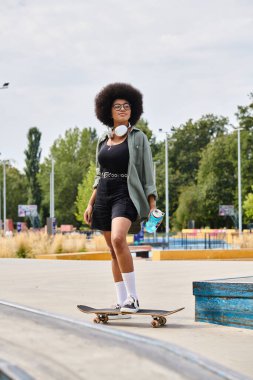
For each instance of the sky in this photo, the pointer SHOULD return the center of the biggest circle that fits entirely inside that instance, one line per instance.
(187, 57)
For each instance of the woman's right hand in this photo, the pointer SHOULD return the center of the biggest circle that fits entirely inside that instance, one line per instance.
(87, 214)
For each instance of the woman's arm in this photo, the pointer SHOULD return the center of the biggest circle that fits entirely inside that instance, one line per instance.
(92, 198)
(148, 174)
(98, 172)
(88, 212)
(152, 202)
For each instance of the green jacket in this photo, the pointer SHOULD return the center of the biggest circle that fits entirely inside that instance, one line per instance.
(140, 178)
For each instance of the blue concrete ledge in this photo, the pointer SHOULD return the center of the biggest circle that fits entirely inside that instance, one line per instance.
(226, 302)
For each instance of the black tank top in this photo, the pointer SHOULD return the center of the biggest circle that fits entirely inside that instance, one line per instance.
(114, 158)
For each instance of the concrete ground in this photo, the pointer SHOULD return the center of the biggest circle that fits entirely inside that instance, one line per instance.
(58, 286)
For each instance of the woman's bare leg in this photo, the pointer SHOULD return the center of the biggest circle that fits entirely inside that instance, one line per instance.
(118, 280)
(120, 228)
(115, 266)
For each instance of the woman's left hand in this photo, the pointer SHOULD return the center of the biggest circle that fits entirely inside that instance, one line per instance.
(152, 203)
(151, 209)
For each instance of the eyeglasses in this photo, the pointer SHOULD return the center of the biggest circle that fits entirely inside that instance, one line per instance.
(118, 106)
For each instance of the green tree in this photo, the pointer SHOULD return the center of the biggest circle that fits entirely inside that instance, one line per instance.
(32, 161)
(143, 126)
(246, 162)
(189, 208)
(186, 145)
(217, 177)
(245, 119)
(188, 141)
(248, 206)
(16, 188)
(244, 115)
(217, 180)
(72, 155)
(85, 190)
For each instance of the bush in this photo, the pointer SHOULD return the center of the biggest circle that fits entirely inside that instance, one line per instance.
(29, 244)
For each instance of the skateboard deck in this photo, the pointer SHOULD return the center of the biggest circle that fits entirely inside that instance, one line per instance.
(158, 316)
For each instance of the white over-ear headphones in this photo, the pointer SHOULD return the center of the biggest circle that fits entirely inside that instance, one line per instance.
(119, 131)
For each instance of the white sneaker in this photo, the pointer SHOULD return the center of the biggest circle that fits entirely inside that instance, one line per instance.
(131, 305)
(118, 316)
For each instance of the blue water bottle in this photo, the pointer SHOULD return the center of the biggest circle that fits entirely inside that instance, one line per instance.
(154, 220)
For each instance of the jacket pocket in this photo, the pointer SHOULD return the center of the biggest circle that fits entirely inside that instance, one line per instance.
(137, 155)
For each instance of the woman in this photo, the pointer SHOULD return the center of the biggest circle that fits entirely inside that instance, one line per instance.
(124, 189)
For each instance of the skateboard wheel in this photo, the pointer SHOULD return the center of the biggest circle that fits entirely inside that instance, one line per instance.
(96, 320)
(104, 319)
(162, 321)
(155, 323)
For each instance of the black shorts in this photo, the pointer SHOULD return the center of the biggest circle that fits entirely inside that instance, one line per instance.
(112, 200)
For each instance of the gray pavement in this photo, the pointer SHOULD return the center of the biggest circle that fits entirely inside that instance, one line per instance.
(50, 349)
(58, 286)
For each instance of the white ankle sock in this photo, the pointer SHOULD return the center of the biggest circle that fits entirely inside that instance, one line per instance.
(121, 292)
(129, 280)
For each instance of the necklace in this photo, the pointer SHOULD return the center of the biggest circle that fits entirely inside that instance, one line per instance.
(110, 145)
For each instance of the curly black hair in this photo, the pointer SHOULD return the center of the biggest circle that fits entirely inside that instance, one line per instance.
(113, 91)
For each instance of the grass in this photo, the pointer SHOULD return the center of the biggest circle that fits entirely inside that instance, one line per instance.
(244, 241)
(97, 243)
(29, 244)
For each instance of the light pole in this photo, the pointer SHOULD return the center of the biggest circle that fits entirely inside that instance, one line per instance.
(238, 129)
(166, 185)
(52, 190)
(4, 86)
(239, 180)
(4, 162)
(4, 195)
(51, 225)
(155, 162)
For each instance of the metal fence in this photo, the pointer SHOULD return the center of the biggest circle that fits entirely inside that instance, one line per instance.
(189, 241)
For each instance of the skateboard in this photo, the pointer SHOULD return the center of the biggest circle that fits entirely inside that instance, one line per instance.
(158, 316)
